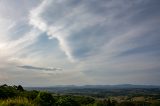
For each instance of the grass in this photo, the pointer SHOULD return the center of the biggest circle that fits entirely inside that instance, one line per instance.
(19, 101)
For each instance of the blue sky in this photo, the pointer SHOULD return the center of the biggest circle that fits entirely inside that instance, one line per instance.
(60, 42)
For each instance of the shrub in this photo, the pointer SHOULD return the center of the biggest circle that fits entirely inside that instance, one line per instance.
(7, 91)
(45, 99)
(67, 101)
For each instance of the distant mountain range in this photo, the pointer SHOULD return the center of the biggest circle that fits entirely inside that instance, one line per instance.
(73, 87)
(121, 86)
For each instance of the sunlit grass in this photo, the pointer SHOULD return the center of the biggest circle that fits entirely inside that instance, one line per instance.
(19, 101)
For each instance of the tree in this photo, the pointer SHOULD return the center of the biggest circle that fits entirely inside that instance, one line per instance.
(20, 88)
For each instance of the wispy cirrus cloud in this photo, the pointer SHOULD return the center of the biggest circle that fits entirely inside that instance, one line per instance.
(53, 32)
(39, 68)
(82, 29)
(96, 42)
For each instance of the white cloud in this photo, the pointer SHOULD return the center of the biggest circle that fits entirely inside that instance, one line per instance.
(53, 32)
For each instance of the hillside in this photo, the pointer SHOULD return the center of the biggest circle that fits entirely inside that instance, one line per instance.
(79, 96)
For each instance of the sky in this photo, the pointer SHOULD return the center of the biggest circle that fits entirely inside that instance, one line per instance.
(79, 42)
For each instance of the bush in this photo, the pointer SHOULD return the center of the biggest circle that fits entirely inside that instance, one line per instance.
(45, 99)
(67, 101)
(7, 91)
(31, 95)
(84, 100)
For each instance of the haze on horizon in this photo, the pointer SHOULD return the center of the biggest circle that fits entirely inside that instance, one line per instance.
(79, 42)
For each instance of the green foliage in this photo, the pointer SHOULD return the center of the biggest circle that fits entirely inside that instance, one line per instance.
(20, 88)
(67, 101)
(156, 103)
(106, 103)
(31, 94)
(45, 99)
(7, 91)
(84, 100)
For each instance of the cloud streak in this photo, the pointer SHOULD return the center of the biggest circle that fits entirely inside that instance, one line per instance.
(39, 68)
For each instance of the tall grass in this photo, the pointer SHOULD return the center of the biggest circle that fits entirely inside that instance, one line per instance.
(18, 101)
